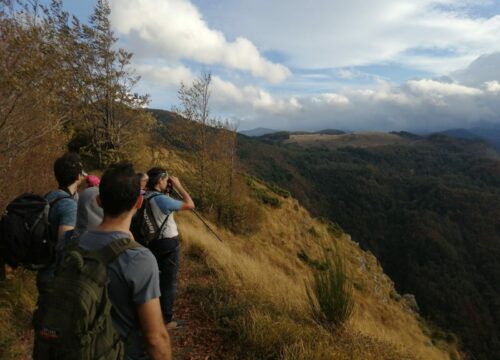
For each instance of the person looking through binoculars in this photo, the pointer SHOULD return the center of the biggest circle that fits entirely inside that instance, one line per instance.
(166, 248)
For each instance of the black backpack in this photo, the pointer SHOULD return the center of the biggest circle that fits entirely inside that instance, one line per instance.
(143, 226)
(25, 235)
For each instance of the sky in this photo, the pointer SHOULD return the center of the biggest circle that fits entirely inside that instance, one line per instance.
(415, 65)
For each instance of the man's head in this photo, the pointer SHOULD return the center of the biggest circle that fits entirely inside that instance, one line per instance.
(119, 190)
(68, 169)
(158, 178)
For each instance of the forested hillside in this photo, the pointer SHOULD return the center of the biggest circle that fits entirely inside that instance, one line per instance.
(429, 211)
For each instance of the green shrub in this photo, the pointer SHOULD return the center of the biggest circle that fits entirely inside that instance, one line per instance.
(314, 264)
(312, 231)
(278, 190)
(267, 199)
(329, 294)
(335, 229)
(241, 217)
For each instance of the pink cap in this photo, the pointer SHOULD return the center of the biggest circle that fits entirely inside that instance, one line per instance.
(92, 180)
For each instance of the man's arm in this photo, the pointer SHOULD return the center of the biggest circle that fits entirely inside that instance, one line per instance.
(65, 216)
(153, 328)
(61, 230)
(187, 202)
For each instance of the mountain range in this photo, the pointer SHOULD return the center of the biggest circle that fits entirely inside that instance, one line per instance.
(488, 132)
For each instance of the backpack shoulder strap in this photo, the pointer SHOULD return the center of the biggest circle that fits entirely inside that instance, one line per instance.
(110, 252)
(163, 224)
(56, 200)
(149, 210)
(158, 229)
(152, 195)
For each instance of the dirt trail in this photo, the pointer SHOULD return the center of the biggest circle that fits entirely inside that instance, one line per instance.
(199, 340)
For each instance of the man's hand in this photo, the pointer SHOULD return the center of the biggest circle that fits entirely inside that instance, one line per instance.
(175, 182)
(188, 202)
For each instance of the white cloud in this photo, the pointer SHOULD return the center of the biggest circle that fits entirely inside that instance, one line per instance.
(227, 95)
(416, 105)
(167, 76)
(484, 68)
(492, 86)
(175, 29)
(431, 88)
(331, 98)
(346, 74)
(434, 35)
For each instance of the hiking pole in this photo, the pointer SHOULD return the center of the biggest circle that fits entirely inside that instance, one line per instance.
(206, 224)
(202, 219)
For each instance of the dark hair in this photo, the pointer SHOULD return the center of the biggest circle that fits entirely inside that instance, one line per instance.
(67, 168)
(141, 175)
(155, 174)
(119, 189)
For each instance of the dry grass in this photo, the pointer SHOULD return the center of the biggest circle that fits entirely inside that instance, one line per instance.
(261, 295)
(17, 302)
(358, 139)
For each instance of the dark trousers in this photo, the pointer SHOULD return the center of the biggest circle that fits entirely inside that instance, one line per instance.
(167, 253)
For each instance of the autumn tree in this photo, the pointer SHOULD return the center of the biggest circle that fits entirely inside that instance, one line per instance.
(110, 113)
(62, 80)
(212, 143)
(32, 85)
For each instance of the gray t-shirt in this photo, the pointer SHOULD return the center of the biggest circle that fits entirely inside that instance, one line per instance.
(133, 279)
(89, 214)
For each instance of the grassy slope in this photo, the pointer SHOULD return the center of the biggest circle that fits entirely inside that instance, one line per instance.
(260, 298)
(361, 139)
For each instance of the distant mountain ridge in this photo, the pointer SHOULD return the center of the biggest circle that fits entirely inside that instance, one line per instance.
(265, 131)
(258, 131)
(489, 133)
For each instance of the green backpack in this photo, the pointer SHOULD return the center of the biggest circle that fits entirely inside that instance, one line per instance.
(73, 317)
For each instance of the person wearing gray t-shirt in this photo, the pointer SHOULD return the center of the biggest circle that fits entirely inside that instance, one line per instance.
(134, 288)
(89, 214)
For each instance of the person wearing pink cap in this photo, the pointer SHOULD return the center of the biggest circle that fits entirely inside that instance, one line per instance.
(92, 180)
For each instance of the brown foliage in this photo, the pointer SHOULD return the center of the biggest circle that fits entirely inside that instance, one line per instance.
(30, 104)
(212, 143)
